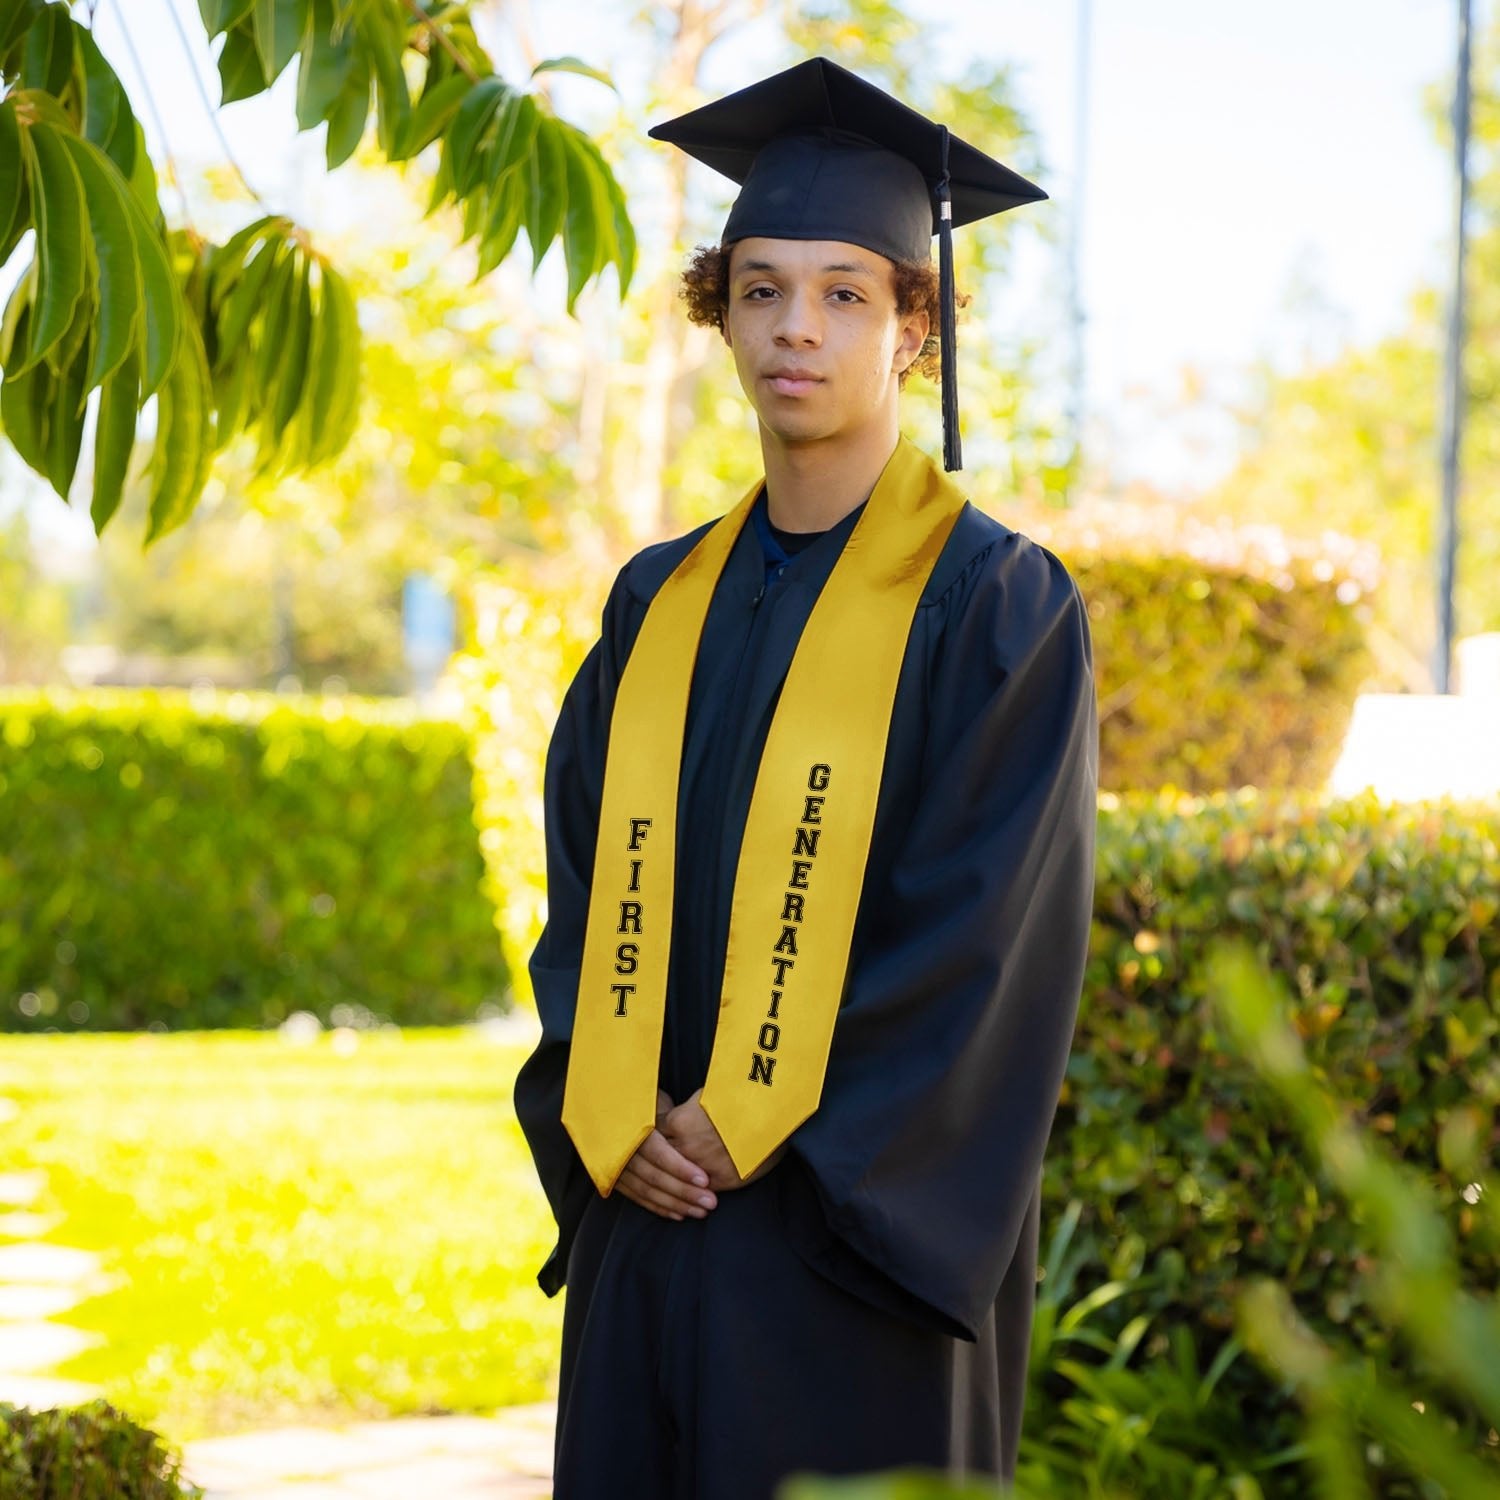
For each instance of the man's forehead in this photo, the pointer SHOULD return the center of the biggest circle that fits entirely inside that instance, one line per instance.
(762, 253)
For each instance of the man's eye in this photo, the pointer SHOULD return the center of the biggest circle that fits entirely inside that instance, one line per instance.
(754, 292)
(845, 294)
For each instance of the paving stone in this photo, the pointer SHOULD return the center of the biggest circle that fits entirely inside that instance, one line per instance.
(281, 1490)
(313, 1452)
(40, 1345)
(455, 1477)
(408, 1435)
(41, 1391)
(21, 1188)
(507, 1457)
(35, 1261)
(23, 1302)
(21, 1225)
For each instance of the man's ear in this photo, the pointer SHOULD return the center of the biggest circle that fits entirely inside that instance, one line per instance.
(914, 330)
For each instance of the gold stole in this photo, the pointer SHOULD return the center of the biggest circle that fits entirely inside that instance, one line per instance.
(802, 860)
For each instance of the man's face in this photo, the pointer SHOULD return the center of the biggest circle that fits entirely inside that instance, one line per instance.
(816, 337)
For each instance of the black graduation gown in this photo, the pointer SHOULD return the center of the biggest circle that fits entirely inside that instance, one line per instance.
(867, 1303)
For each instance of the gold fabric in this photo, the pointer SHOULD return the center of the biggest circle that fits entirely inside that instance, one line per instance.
(806, 840)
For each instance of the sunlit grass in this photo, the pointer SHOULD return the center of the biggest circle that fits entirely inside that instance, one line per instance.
(306, 1235)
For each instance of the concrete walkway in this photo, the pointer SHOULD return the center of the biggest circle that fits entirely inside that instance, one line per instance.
(507, 1457)
(39, 1283)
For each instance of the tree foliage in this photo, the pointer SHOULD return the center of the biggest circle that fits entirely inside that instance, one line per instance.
(1352, 443)
(259, 334)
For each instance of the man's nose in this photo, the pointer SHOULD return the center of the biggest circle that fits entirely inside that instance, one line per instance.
(800, 321)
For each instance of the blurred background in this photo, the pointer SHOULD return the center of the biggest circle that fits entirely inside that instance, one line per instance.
(272, 738)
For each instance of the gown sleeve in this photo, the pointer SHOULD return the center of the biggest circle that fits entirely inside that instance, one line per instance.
(919, 1172)
(573, 786)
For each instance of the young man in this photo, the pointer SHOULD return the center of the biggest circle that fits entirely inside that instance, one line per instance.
(820, 807)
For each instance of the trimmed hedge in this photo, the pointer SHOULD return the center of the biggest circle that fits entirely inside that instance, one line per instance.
(1383, 920)
(1215, 677)
(1227, 655)
(179, 860)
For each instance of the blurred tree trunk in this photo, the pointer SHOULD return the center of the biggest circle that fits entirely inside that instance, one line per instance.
(676, 349)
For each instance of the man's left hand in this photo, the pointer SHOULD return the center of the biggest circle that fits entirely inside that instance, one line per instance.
(691, 1131)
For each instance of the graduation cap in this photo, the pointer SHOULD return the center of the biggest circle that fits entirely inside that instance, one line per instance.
(822, 155)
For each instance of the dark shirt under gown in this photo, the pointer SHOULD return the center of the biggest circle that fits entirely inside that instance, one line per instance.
(868, 1302)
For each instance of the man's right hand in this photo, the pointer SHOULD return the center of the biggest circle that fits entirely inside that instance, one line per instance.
(659, 1177)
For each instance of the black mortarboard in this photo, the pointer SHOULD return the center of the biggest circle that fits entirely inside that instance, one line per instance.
(822, 155)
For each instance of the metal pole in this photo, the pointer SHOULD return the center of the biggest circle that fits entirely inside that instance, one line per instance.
(1075, 236)
(1453, 381)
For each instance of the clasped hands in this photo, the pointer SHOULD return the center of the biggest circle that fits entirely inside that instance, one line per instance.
(682, 1164)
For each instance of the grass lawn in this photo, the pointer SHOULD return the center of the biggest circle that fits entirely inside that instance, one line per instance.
(305, 1235)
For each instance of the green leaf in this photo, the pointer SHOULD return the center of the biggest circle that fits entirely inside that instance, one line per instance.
(42, 413)
(19, 227)
(161, 326)
(383, 33)
(547, 189)
(227, 263)
(16, 17)
(108, 120)
(334, 403)
(469, 124)
(507, 206)
(280, 289)
(231, 385)
(617, 233)
(15, 305)
(587, 221)
(513, 138)
(220, 15)
(47, 59)
(324, 68)
(57, 195)
(246, 299)
(241, 73)
(574, 65)
(442, 182)
(278, 26)
(179, 459)
(69, 397)
(430, 118)
(13, 201)
(624, 234)
(293, 337)
(346, 120)
(114, 439)
(143, 178)
(25, 396)
(323, 364)
(121, 290)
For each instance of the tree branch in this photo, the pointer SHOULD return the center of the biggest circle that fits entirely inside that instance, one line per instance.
(446, 42)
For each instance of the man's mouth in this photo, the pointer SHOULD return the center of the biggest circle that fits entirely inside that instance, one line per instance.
(791, 380)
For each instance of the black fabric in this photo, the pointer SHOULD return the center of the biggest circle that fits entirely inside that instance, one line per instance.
(707, 1360)
(778, 546)
(844, 188)
(914, 1187)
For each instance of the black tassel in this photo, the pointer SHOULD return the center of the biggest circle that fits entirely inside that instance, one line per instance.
(948, 333)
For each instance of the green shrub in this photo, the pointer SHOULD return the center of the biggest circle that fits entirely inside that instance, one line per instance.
(175, 860)
(90, 1452)
(1413, 1278)
(1214, 677)
(1178, 1184)
(1382, 922)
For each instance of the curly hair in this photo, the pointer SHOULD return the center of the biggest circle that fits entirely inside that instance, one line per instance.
(705, 289)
